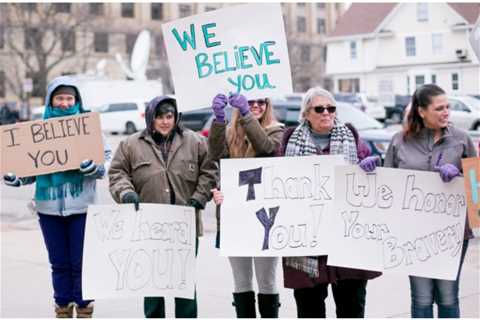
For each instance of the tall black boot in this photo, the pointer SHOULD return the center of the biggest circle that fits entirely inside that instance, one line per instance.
(244, 303)
(268, 305)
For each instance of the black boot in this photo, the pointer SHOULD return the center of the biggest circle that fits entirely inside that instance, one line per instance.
(268, 305)
(244, 303)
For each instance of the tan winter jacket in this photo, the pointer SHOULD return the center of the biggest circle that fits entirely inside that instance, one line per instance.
(138, 166)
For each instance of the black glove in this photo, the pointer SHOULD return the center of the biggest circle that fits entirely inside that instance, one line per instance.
(88, 167)
(11, 179)
(131, 197)
(194, 203)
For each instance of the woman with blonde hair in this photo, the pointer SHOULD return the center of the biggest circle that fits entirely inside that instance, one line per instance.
(253, 132)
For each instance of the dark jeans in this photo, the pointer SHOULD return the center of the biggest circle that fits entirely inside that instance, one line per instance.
(63, 237)
(154, 307)
(424, 291)
(349, 296)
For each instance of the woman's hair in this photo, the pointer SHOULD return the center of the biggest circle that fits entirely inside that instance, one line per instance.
(309, 95)
(421, 98)
(237, 145)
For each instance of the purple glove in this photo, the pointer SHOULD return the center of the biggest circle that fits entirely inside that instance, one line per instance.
(218, 104)
(239, 101)
(447, 172)
(370, 163)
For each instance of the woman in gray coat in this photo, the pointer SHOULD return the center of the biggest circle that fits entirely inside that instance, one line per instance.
(429, 143)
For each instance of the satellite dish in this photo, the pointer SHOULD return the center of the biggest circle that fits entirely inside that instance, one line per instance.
(139, 59)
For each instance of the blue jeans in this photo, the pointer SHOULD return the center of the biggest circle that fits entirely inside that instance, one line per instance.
(63, 237)
(424, 291)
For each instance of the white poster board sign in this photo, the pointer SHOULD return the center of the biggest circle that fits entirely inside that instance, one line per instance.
(150, 252)
(395, 220)
(276, 206)
(241, 48)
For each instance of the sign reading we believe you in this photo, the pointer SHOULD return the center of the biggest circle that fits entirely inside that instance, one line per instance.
(226, 51)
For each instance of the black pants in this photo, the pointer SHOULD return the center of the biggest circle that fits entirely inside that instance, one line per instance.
(349, 296)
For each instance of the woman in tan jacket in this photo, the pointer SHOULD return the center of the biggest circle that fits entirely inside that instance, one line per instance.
(253, 132)
(164, 163)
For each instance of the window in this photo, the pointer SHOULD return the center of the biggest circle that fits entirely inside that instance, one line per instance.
(29, 6)
(156, 11)
(422, 12)
(100, 41)
(419, 81)
(121, 107)
(62, 7)
(31, 37)
(437, 43)
(301, 24)
(455, 82)
(305, 53)
(2, 37)
(320, 5)
(434, 78)
(410, 46)
(36, 90)
(130, 42)
(128, 10)
(209, 8)
(349, 85)
(320, 25)
(68, 40)
(95, 9)
(2, 84)
(353, 50)
(184, 10)
(301, 4)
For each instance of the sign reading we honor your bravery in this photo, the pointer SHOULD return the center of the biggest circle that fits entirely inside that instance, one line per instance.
(149, 252)
(395, 220)
(39, 147)
(276, 206)
(241, 48)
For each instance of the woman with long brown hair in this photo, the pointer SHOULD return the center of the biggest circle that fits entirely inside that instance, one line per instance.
(429, 143)
(253, 132)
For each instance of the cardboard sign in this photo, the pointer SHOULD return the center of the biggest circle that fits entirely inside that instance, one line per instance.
(228, 50)
(276, 206)
(471, 172)
(128, 253)
(38, 147)
(395, 220)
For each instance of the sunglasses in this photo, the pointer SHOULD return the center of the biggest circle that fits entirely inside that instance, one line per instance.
(260, 102)
(321, 109)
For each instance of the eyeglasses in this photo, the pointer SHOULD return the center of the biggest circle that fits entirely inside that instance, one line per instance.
(321, 109)
(260, 102)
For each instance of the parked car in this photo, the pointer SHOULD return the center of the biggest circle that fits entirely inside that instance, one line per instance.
(351, 98)
(37, 113)
(195, 119)
(372, 106)
(395, 113)
(369, 129)
(465, 112)
(123, 117)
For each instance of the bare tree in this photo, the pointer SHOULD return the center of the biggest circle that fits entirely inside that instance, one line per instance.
(49, 32)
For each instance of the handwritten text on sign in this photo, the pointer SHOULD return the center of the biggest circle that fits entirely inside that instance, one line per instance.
(276, 206)
(228, 50)
(150, 252)
(396, 220)
(59, 144)
(471, 171)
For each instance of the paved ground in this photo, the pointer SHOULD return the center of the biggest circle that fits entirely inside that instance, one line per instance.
(26, 289)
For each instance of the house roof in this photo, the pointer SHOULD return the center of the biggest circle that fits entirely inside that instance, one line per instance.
(364, 18)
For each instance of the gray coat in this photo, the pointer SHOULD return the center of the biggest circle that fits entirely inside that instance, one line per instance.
(421, 153)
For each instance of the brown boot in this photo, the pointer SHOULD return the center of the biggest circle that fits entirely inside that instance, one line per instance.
(64, 311)
(85, 312)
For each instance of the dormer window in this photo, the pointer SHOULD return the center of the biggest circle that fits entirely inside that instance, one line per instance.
(422, 12)
(353, 50)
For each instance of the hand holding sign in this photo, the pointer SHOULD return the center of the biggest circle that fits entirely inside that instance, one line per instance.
(11, 180)
(218, 105)
(239, 102)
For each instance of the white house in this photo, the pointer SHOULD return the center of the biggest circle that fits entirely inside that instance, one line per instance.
(391, 48)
